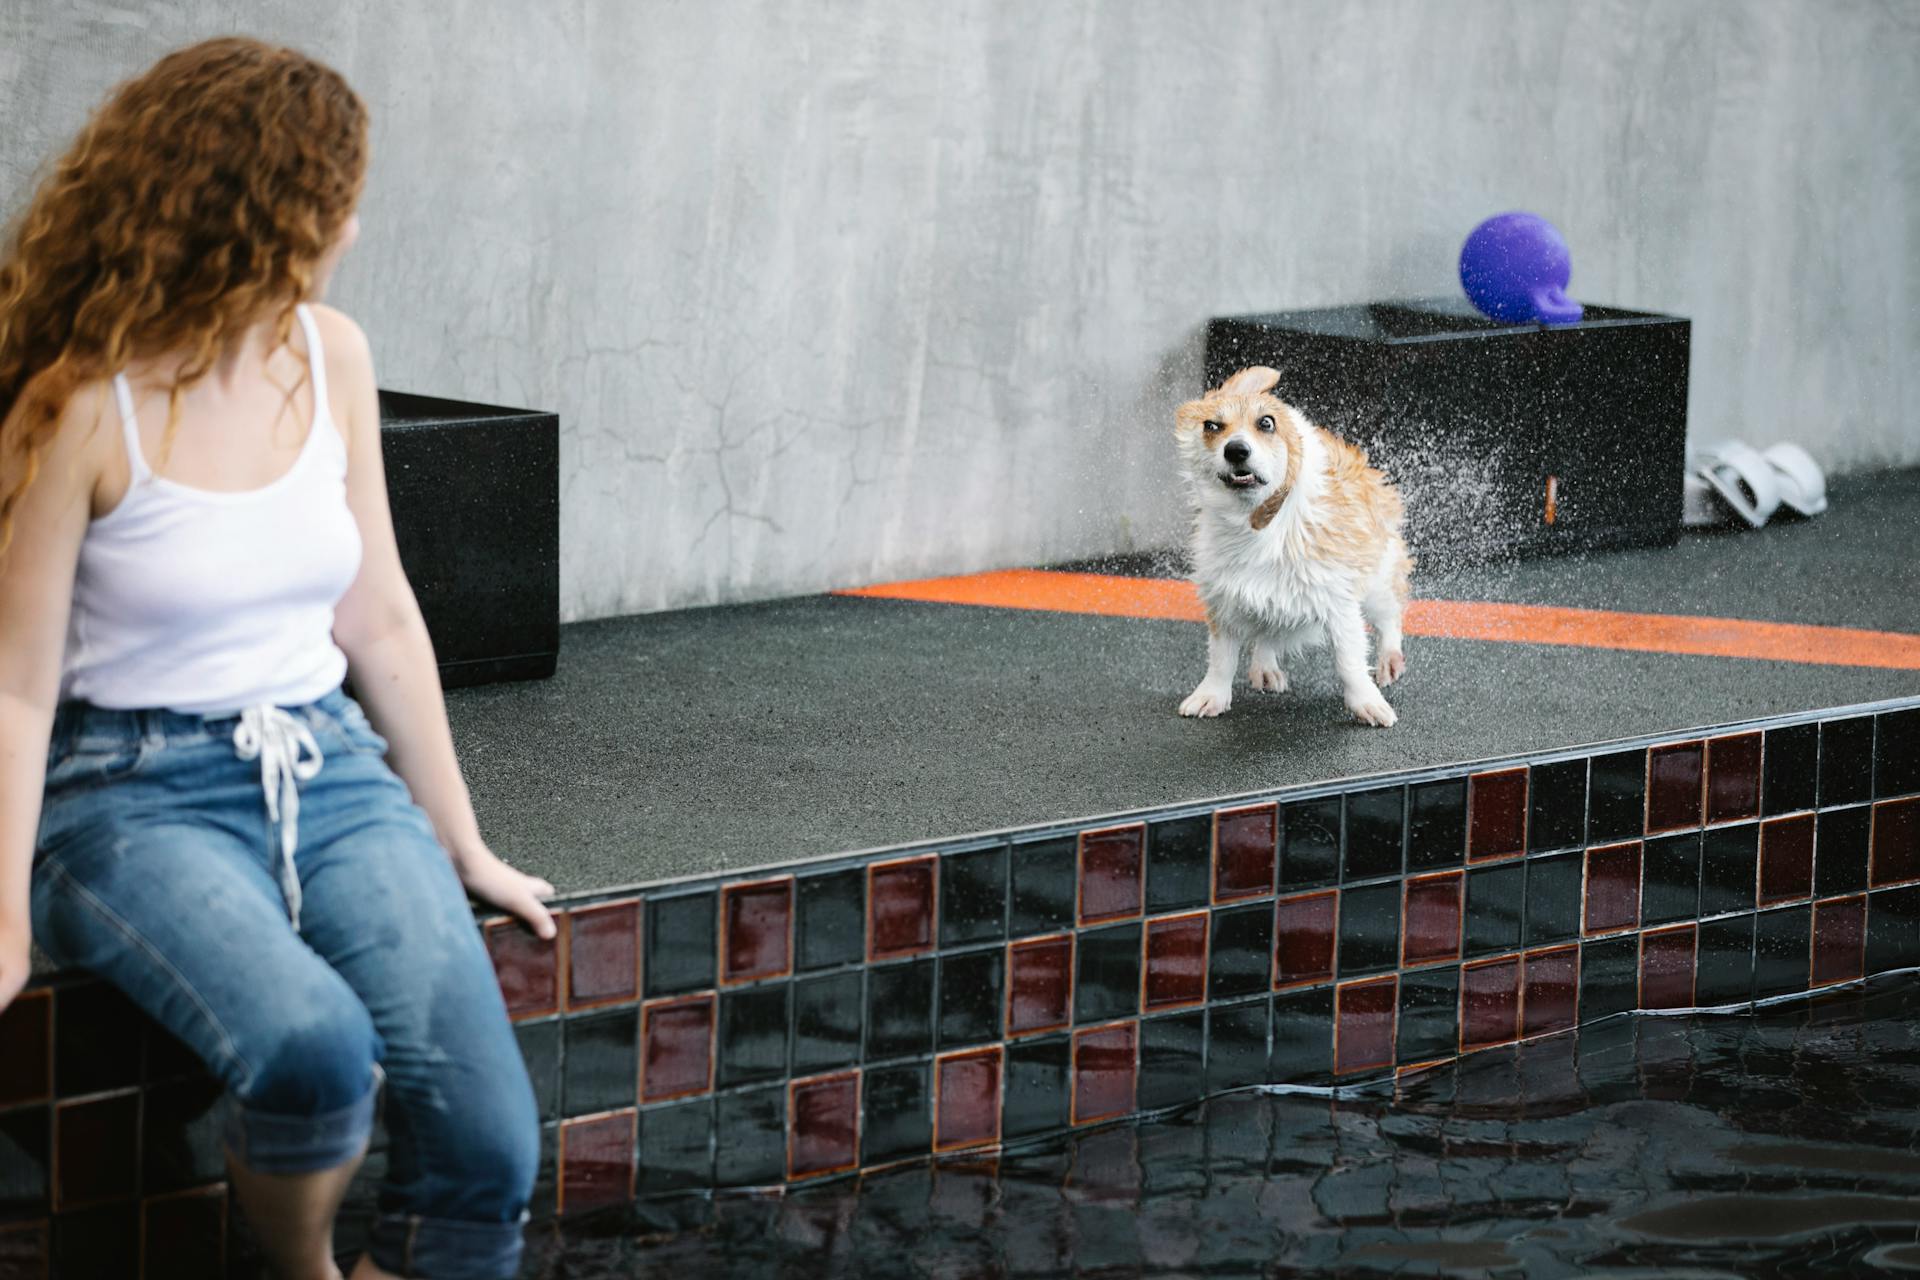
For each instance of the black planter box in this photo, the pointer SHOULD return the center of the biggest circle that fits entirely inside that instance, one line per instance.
(1504, 440)
(475, 492)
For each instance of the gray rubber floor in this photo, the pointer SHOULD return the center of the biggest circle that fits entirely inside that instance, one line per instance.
(681, 743)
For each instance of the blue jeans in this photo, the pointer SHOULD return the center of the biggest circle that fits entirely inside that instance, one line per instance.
(159, 869)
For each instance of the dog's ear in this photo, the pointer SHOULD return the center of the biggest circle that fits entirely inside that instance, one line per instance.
(1251, 382)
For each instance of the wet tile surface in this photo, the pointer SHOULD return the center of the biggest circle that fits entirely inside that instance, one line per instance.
(757, 935)
(603, 954)
(1245, 844)
(1039, 985)
(1176, 962)
(1112, 873)
(900, 908)
(1496, 814)
(1304, 931)
(1675, 776)
(1733, 777)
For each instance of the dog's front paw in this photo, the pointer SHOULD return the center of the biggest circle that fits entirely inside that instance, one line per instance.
(1390, 667)
(1372, 709)
(1207, 700)
(1267, 679)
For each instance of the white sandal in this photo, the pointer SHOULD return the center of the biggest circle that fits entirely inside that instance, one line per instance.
(1744, 481)
(1803, 486)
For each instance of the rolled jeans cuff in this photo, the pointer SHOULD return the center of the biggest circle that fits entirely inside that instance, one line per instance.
(266, 1142)
(447, 1248)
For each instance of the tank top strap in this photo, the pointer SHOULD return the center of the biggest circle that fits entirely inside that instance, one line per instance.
(130, 429)
(316, 366)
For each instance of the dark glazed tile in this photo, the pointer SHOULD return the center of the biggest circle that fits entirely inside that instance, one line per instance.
(26, 1068)
(182, 1135)
(1841, 842)
(1036, 1087)
(183, 1236)
(603, 954)
(1310, 843)
(1039, 985)
(677, 1049)
(1846, 761)
(758, 938)
(899, 1009)
(1617, 797)
(1104, 1068)
(679, 942)
(1551, 990)
(1729, 869)
(1369, 928)
(94, 1150)
(831, 918)
(1613, 888)
(1432, 918)
(1496, 898)
(1112, 865)
(1429, 1015)
(1553, 897)
(824, 1118)
(826, 1021)
(540, 1050)
(967, 1099)
(1733, 777)
(1839, 940)
(1496, 814)
(1246, 841)
(899, 1113)
(1242, 951)
(24, 1251)
(752, 1043)
(1304, 932)
(973, 896)
(1436, 824)
(1302, 1037)
(1609, 976)
(1176, 961)
(752, 1130)
(1896, 754)
(1376, 833)
(1667, 968)
(1671, 879)
(1363, 1032)
(1781, 951)
(167, 1057)
(1173, 1059)
(1896, 842)
(1557, 805)
(1790, 769)
(596, 1162)
(602, 1062)
(1893, 929)
(971, 996)
(1043, 885)
(26, 1162)
(1237, 1045)
(96, 1033)
(97, 1243)
(900, 906)
(1179, 862)
(1489, 1003)
(1786, 858)
(1675, 785)
(1723, 967)
(677, 1147)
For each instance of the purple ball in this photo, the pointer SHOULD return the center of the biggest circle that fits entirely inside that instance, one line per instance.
(1515, 268)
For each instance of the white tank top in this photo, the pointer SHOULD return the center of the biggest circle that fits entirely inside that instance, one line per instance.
(207, 602)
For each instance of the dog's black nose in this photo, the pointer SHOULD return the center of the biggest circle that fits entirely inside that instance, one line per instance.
(1236, 452)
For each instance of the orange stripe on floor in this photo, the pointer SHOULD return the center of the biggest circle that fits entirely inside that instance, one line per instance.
(1174, 599)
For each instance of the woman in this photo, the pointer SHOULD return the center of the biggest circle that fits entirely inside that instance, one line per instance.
(196, 551)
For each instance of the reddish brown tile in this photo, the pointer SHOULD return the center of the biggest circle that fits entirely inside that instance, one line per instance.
(1363, 1024)
(1613, 887)
(528, 969)
(596, 1156)
(1839, 940)
(1244, 845)
(1674, 786)
(1103, 1072)
(1432, 927)
(1552, 995)
(1489, 1003)
(1497, 814)
(1896, 841)
(1304, 929)
(95, 1150)
(900, 908)
(603, 954)
(184, 1235)
(1039, 985)
(26, 1068)
(823, 1132)
(757, 930)
(1667, 968)
(1111, 870)
(1175, 967)
(1786, 859)
(23, 1251)
(1733, 777)
(967, 1099)
(677, 1048)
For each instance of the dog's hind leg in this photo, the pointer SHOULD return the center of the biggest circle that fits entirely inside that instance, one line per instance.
(1214, 694)
(1382, 606)
(1264, 671)
(1349, 638)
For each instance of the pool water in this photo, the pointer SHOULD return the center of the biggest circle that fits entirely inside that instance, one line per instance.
(1777, 1142)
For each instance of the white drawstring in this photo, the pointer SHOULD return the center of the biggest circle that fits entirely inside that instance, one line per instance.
(277, 739)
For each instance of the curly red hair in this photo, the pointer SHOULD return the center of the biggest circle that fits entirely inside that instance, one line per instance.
(197, 202)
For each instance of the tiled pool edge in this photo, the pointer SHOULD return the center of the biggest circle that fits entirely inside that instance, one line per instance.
(813, 1019)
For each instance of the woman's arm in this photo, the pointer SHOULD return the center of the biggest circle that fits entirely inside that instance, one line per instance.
(379, 626)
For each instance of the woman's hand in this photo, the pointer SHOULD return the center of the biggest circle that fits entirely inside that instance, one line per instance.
(497, 884)
(16, 956)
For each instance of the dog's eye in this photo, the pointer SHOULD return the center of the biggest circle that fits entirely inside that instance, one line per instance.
(1266, 424)
(1212, 426)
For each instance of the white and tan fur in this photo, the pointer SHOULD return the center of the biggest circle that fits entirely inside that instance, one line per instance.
(1296, 541)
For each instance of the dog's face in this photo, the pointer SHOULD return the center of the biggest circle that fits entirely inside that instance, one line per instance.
(1240, 443)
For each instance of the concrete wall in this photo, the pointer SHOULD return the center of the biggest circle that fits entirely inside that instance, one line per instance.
(828, 293)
